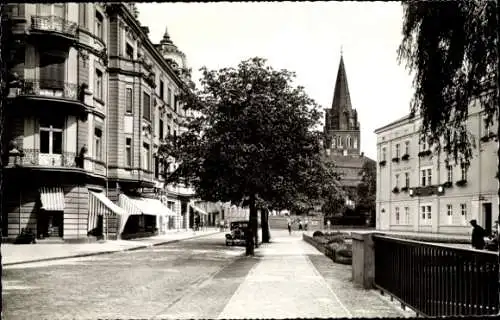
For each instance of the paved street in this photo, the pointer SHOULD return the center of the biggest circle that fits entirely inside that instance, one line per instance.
(197, 278)
(134, 284)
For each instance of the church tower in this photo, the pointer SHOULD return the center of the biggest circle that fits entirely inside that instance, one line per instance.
(342, 130)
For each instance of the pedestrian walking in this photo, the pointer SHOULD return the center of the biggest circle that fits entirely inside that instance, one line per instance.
(289, 226)
(478, 234)
(305, 224)
(300, 225)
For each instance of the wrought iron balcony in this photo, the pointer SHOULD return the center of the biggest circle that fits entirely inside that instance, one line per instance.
(49, 88)
(33, 157)
(54, 24)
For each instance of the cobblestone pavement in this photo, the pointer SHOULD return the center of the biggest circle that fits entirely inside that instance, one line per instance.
(133, 284)
(195, 279)
(16, 254)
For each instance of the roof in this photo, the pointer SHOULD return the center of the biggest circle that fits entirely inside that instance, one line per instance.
(341, 97)
(399, 121)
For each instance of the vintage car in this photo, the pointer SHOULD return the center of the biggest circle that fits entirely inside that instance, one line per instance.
(237, 234)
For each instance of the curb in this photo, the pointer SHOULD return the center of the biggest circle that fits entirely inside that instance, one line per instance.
(98, 253)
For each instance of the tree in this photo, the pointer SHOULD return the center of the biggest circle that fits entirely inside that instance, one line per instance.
(250, 139)
(452, 46)
(365, 198)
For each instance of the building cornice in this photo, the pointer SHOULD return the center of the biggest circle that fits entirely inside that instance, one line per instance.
(405, 120)
(132, 22)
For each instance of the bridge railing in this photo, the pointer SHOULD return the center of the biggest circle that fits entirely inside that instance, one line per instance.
(437, 280)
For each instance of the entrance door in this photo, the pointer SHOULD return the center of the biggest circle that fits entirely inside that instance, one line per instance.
(487, 217)
(50, 224)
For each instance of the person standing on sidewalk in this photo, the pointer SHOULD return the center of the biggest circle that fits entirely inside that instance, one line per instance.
(289, 226)
(478, 234)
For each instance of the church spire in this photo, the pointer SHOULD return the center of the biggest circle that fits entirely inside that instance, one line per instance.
(341, 98)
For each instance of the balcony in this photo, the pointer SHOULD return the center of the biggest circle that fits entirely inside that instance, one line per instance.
(49, 88)
(33, 157)
(48, 96)
(54, 25)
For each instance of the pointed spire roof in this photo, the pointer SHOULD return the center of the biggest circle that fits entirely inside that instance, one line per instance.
(166, 37)
(341, 97)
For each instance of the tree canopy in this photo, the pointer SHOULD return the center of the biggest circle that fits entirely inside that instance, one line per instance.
(251, 137)
(452, 46)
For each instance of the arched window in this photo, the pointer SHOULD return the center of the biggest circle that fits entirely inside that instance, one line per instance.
(355, 143)
(334, 142)
(348, 142)
(339, 142)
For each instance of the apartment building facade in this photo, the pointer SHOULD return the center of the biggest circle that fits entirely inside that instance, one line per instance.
(418, 191)
(91, 100)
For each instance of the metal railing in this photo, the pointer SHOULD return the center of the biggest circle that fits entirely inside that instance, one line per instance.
(49, 88)
(437, 280)
(35, 158)
(54, 24)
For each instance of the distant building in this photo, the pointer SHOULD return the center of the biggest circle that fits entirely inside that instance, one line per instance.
(342, 139)
(418, 192)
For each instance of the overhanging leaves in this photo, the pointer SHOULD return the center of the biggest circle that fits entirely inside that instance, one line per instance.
(251, 134)
(452, 47)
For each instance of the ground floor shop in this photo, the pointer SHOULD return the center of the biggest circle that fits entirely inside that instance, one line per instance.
(86, 212)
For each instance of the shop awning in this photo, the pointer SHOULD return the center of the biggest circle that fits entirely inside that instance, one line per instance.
(198, 209)
(52, 198)
(106, 206)
(146, 206)
(100, 205)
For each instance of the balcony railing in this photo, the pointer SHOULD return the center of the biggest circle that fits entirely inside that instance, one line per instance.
(436, 280)
(54, 24)
(34, 157)
(49, 88)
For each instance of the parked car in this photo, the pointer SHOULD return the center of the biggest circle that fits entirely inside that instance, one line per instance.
(237, 233)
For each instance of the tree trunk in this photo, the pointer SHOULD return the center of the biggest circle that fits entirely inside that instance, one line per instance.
(264, 220)
(253, 223)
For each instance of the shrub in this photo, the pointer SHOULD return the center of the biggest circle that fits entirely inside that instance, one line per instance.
(343, 252)
(317, 233)
(334, 245)
(342, 260)
(336, 239)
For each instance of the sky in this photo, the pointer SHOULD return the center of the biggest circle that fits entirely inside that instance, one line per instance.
(304, 37)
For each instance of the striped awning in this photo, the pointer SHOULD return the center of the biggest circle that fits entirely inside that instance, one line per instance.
(52, 198)
(100, 205)
(103, 205)
(198, 209)
(145, 206)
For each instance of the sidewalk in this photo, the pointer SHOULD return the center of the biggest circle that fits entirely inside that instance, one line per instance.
(16, 254)
(294, 280)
